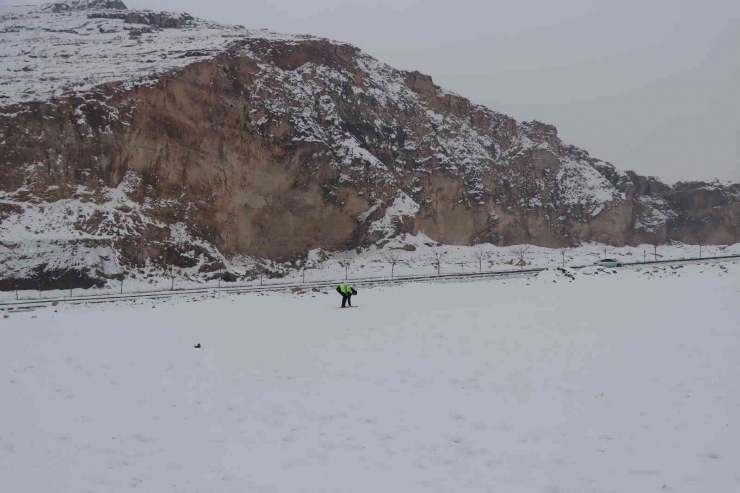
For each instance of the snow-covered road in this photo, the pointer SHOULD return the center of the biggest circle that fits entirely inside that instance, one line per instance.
(611, 383)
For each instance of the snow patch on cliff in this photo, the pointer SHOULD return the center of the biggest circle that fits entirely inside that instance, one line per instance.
(655, 213)
(403, 207)
(581, 184)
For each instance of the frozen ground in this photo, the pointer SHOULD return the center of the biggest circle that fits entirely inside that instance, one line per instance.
(626, 382)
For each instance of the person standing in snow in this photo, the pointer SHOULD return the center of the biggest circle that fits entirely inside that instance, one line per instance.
(346, 291)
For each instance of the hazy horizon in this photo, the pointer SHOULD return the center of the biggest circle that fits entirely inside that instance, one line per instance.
(652, 87)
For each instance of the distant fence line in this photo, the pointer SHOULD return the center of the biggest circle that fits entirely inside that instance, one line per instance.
(261, 285)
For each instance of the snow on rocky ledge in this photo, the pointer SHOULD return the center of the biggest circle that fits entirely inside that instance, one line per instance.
(403, 207)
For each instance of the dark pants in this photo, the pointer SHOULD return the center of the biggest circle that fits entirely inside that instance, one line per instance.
(346, 298)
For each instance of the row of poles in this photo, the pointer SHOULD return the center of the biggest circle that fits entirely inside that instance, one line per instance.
(393, 261)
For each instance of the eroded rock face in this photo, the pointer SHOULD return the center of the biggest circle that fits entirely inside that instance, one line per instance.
(79, 5)
(278, 145)
(164, 20)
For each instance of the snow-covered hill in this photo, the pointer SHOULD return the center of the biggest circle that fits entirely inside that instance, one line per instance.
(53, 50)
(155, 139)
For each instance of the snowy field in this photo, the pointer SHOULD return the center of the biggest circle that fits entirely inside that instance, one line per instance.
(608, 382)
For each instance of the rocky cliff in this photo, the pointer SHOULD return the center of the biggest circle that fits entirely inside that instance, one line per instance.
(134, 138)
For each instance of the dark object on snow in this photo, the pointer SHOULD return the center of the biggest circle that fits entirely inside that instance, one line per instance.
(229, 277)
(48, 279)
(197, 346)
(347, 292)
(609, 262)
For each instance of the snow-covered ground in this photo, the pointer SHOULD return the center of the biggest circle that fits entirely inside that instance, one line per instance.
(607, 382)
(373, 263)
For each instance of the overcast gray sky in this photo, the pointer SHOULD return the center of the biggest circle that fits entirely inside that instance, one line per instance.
(650, 85)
